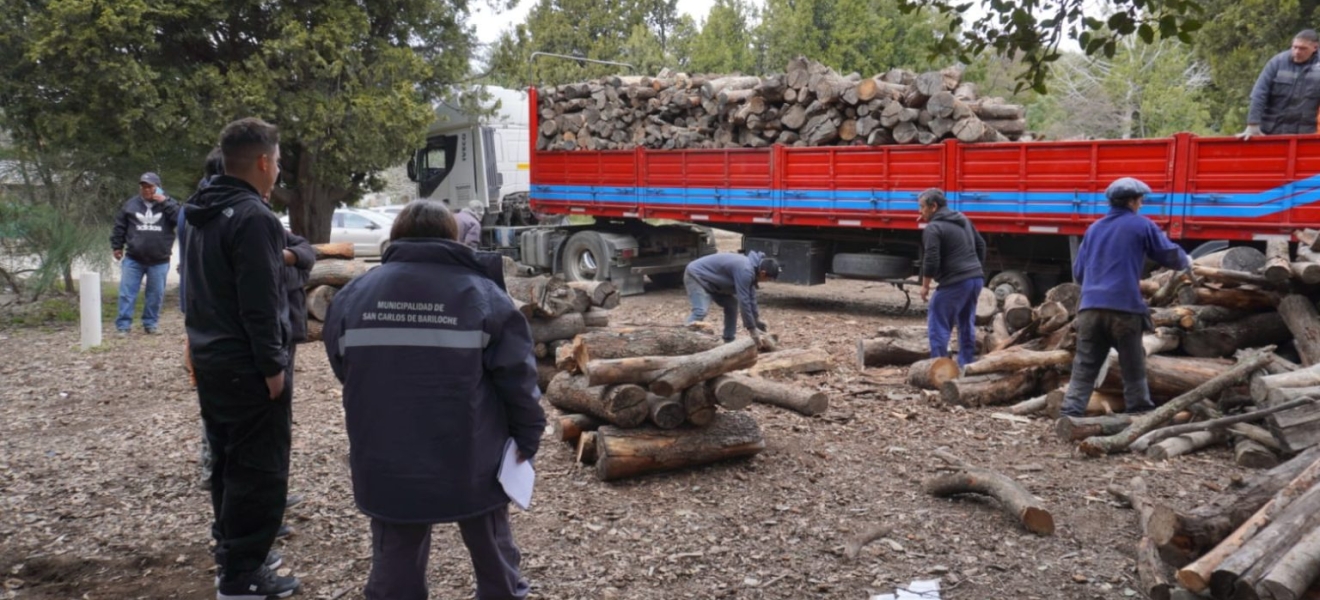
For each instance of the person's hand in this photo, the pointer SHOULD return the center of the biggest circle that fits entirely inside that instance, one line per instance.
(1251, 131)
(925, 292)
(275, 383)
(289, 258)
(119, 254)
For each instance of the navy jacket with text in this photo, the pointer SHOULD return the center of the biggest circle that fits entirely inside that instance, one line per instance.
(438, 374)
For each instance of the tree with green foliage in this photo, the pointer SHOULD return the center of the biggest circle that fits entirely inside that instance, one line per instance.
(724, 44)
(1238, 42)
(1144, 91)
(585, 28)
(1034, 29)
(149, 84)
(866, 36)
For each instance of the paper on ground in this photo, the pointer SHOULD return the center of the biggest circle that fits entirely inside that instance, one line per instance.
(928, 589)
(516, 478)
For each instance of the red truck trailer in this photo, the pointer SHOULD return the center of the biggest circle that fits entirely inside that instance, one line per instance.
(851, 210)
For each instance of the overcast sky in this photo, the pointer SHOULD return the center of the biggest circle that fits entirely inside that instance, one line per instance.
(490, 24)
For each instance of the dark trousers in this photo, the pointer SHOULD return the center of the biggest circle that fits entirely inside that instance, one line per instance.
(954, 304)
(1098, 331)
(701, 300)
(249, 435)
(399, 553)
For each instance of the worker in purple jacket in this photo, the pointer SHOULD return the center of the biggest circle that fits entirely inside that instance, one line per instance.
(1112, 313)
(438, 375)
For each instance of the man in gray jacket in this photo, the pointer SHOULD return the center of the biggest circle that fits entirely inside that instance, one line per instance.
(1287, 93)
(953, 252)
(729, 280)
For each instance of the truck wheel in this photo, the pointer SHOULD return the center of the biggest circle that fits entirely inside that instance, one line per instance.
(667, 280)
(1011, 282)
(872, 266)
(585, 258)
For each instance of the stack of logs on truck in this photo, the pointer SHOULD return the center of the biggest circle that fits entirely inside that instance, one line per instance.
(809, 105)
(1234, 359)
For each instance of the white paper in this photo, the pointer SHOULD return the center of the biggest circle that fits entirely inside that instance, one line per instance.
(516, 478)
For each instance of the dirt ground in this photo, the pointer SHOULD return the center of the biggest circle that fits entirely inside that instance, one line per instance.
(99, 494)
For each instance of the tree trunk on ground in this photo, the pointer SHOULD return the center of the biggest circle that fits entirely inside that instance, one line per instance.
(990, 390)
(1299, 314)
(1250, 454)
(986, 306)
(314, 328)
(699, 404)
(1067, 294)
(632, 452)
(549, 296)
(318, 301)
(1016, 360)
(1261, 386)
(1188, 443)
(623, 405)
(1295, 571)
(1238, 258)
(1173, 316)
(559, 328)
(335, 272)
(1212, 274)
(1152, 571)
(1012, 497)
(1278, 265)
(666, 375)
(794, 360)
(1252, 561)
(596, 318)
(1030, 407)
(640, 341)
(586, 448)
(730, 392)
(1017, 311)
(932, 373)
(1226, 338)
(1072, 429)
(568, 427)
(603, 294)
(883, 352)
(1239, 298)
(545, 373)
(1165, 339)
(998, 335)
(1246, 365)
(666, 412)
(1050, 317)
(1167, 376)
(342, 250)
(1306, 272)
(797, 398)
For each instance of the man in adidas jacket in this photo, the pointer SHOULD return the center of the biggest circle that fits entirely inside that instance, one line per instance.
(143, 239)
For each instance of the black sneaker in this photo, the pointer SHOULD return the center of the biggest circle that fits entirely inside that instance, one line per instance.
(274, 560)
(262, 584)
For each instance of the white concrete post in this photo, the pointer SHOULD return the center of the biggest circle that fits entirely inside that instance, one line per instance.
(89, 292)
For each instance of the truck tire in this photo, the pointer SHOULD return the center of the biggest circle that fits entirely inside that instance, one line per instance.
(585, 258)
(872, 266)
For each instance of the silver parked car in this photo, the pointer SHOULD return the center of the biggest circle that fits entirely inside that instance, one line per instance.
(367, 230)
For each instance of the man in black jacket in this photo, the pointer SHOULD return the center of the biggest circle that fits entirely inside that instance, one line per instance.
(143, 239)
(953, 252)
(1287, 92)
(236, 313)
(439, 376)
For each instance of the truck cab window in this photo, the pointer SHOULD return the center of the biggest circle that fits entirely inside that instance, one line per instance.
(437, 161)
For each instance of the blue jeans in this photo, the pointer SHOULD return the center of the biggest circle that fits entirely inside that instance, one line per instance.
(130, 281)
(954, 304)
(701, 299)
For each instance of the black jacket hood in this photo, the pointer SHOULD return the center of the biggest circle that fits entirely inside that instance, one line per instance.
(949, 215)
(222, 193)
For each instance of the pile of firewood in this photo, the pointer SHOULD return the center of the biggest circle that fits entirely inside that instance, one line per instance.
(638, 400)
(809, 105)
(334, 268)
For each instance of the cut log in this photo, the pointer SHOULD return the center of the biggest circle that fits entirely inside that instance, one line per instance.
(1152, 570)
(998, 336)
(549, 296)
(623, 405)
(1231, 277)
(932, 373)
(1250, 454)
(335, 272)
(1221, 423)
(666, 412)
(1301, 378)
(545, 373)
(699, 404)
(1257, 434)
(1225, 338)
(1239, 298)
(596, 318)
(666, 375)
(1012, 497)
(730, 393)
(1017, 311)
(342, 250)
(1167, 376)
(990, 390)
(797, 398)
(1031, 406)
(882, 352)
(1238, 258)
(986, 306)
(1073, 429)
(1181, 317)
(1252, 560)
(1067, 294)
(1165, 339)
(641, 341)
(632, 452)
(586, 448)
(793, 360)
(1307, 272)
(1187, 443)
(1299, 315)
(1295, 572)
(314, 328)
(1278, 263)
(569, 426)
(318, 301)
(1015, 360)
(1050, 317)
(603, 294)
(558, 328)
(1097, 446)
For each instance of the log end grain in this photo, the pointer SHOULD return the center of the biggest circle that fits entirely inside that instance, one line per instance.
(1038, 520)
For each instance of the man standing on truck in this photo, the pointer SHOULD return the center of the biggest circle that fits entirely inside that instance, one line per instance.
(1287, 93)
(1112, 313)
(952, 255)
(729, 280)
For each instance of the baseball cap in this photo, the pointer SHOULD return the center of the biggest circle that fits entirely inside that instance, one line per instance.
(1126, 187)
(151, 178)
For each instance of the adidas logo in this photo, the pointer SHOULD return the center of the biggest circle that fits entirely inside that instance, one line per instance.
(228, 212)
(148, 221)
